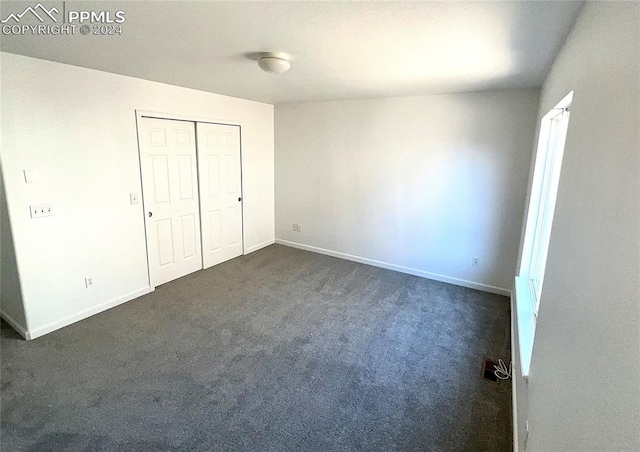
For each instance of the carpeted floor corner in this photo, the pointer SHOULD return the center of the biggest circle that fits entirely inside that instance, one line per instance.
(280, 350)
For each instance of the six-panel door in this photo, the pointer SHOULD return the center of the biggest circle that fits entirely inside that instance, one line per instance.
(220, 192)
(170, 193)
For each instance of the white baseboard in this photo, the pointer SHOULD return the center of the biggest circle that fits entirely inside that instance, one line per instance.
(259, 246)
(15, 324)
(514, 378)
(48, 328)
(399, 268)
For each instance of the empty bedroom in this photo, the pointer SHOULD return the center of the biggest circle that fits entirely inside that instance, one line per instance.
(320, 226)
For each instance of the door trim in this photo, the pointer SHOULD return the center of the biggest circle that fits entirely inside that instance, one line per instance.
(195, 119)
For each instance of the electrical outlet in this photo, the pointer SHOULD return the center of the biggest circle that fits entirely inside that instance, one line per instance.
(475, 261)
(297, 228)
(41, 210)
(88, 282)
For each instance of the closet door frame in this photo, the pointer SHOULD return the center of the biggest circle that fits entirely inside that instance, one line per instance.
(195, 119)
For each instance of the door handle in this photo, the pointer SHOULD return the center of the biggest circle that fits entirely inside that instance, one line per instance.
(150, 214)
(239, 199)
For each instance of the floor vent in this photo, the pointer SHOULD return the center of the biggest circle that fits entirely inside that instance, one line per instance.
(488, 370)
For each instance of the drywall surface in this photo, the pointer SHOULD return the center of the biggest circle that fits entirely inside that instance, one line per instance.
(584, 384)
(11, 305)
(420, 184)
(77, 127)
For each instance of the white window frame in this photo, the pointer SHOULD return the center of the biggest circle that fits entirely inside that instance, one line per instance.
(542, 202)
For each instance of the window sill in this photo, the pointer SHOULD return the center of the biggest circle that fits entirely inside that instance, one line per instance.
(526, 323)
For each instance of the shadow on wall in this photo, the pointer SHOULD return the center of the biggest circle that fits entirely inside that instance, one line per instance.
(11, 306)
(462, 204)
(426, 183)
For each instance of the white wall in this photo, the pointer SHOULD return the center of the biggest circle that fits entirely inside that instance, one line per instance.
(420, 184)
(10, 294)
(584, 386)
(77, 127)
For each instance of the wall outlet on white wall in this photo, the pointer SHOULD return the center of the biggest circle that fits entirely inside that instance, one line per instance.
(475, 261)
(88, 282)
(297, 228)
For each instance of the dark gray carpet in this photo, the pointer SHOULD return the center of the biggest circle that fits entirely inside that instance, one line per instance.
(280, 350)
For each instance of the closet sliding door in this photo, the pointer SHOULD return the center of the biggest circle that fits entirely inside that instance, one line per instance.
(219, 173)
(168, 160)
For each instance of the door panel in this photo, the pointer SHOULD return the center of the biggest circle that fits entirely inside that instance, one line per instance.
(186, 179)
(215, 228)
(160, 179)
(213, 168)
(219, 172)
(190, 243)
(170, 194)
(232, 176)
(234, 225)
(164, 239)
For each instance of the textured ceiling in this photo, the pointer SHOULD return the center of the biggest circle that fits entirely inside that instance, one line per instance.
(340, 50)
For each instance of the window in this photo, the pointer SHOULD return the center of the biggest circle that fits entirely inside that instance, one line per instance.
(546, 176)
(542, 202)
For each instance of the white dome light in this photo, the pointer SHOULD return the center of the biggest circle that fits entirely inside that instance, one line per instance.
(274, 64)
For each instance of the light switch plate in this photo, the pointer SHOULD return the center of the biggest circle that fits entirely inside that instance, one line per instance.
(31, 176)
(133, 196)
(41, 210)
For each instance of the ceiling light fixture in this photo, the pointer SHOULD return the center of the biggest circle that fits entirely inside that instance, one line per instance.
(274, 63)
